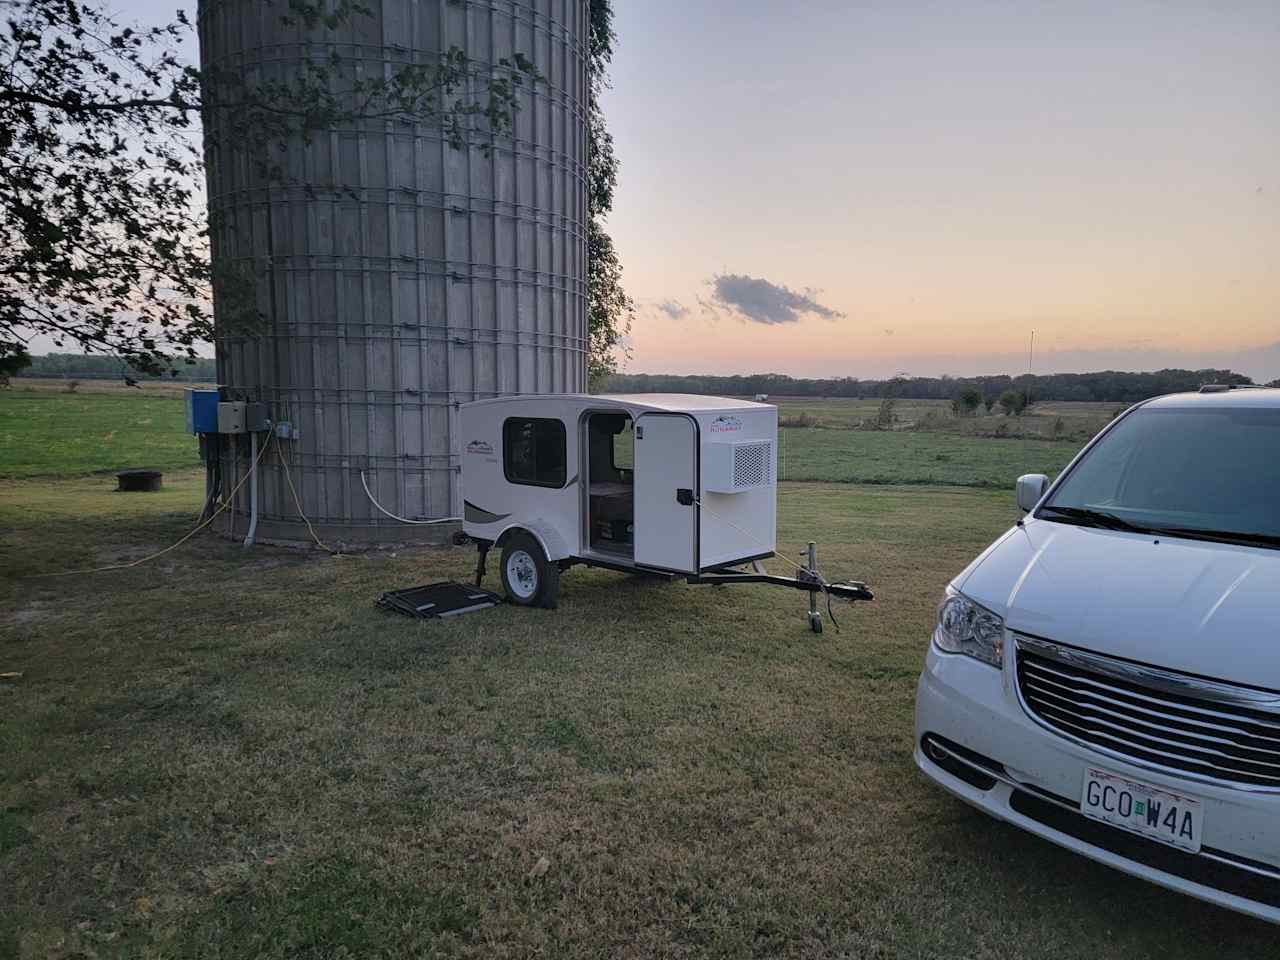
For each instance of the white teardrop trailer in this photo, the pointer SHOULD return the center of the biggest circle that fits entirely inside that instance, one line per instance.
(664, 484)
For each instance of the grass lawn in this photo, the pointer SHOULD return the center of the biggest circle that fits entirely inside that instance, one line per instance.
(224, 754)
(50, 432)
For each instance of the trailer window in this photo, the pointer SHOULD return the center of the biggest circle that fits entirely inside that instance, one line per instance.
(533, 451)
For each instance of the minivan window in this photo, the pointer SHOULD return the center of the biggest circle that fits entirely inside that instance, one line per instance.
(533, 451)
(1209, 471)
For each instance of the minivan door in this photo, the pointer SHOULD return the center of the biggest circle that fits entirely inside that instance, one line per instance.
(666, 482)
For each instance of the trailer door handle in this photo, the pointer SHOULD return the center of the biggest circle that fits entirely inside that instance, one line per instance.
(684, 496)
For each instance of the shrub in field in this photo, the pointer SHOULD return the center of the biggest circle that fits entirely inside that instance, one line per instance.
(989, 402)
(1013, 402)
(72, 386)
(884, 416)
(932, 420)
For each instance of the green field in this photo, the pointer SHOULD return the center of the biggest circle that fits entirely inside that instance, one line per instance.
(881, 457)
(1046, 420)
(236, 755)
(48, 432)
(45, 431)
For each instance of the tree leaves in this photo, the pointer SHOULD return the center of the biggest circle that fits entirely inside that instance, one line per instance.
(103, 235)
(610, 310)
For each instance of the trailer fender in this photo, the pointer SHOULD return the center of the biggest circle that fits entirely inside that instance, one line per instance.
(552, 543)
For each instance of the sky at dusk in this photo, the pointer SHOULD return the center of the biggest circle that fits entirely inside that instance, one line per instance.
(835, 188)
(832, 188)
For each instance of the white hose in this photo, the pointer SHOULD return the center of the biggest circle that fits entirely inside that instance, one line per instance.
(384, 510)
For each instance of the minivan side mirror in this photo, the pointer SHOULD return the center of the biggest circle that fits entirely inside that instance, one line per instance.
(1031, 488)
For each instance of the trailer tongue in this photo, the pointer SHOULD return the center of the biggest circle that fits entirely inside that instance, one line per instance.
(806, 578)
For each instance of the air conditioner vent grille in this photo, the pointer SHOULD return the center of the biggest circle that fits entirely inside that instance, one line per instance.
(752, 464)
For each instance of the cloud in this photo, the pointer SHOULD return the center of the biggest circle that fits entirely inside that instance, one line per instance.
(672, 308)
(709, 310)
(760, 301)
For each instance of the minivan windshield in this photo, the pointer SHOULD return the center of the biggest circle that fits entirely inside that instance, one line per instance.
(1203, 472)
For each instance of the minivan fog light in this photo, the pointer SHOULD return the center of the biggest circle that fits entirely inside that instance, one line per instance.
(964, 627)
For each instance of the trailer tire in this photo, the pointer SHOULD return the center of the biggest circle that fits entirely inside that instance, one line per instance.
(528, 577)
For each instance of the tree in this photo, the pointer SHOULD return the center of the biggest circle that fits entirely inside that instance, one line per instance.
(966, 402)
(989, 401)
(1013, 402)
(610, 310)
(12, 364)
(103, 243)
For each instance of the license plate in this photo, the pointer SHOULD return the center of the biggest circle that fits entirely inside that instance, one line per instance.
(1143, 809)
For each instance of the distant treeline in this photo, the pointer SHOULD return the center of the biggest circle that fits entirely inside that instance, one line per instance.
(99, 367)
(1111, 386)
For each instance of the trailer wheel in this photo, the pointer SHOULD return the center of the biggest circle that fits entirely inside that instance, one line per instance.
(529, 579)
(815, 622)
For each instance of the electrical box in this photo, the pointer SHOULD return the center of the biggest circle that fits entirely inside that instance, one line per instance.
(732, 467)
(238, 416)
(202, 411)
(257, 417)
(231, 417)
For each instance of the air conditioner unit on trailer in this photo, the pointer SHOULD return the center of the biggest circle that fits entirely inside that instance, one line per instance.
(735, 466)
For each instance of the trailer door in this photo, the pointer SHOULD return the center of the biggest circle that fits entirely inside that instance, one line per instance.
(666, 482)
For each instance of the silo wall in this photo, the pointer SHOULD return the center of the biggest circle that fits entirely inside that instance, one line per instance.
(398, 276)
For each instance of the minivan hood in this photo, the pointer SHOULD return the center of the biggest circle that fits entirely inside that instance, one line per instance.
(1206, 608)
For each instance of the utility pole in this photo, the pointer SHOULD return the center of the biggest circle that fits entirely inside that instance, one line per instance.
(1031, 358)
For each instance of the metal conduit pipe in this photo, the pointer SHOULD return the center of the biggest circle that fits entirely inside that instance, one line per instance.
(253, 490)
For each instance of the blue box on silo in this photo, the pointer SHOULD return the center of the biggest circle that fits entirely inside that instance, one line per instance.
(202, 411)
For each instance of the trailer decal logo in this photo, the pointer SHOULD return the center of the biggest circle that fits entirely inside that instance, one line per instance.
(480, 446)
(723, 424)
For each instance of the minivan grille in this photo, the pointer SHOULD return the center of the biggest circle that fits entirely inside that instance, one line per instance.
(1208, 737)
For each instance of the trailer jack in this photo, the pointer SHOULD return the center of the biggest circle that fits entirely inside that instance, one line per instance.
(806, 578)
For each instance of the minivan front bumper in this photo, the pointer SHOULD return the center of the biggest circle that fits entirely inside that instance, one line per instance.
(974, 739)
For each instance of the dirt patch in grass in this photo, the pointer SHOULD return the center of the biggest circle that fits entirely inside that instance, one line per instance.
(32, 611)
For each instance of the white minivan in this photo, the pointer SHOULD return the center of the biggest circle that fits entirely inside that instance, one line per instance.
(1106, 675)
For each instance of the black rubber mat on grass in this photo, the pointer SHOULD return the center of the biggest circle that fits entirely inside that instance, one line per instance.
(444, 599)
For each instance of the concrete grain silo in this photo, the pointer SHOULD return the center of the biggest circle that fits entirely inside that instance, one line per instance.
(399, 276)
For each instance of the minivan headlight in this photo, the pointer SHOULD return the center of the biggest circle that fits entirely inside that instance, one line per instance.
(965, 627)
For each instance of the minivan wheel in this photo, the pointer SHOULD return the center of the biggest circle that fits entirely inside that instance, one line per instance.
(529, 579)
